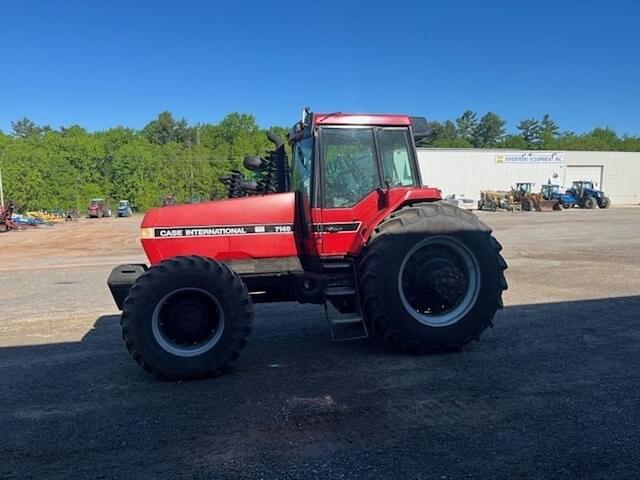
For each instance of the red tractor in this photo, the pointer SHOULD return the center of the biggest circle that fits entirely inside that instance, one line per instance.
(348, 224)
(98, 208)
(6, 223)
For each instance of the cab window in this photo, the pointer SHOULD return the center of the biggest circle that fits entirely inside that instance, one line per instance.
(302, 161)
(395, 157)
(349, 166)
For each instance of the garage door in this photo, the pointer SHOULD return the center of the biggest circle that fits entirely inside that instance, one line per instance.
(591, 173)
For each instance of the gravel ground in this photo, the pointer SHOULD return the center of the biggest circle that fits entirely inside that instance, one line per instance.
(553, 391)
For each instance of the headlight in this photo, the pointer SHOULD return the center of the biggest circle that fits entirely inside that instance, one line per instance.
(146, 233)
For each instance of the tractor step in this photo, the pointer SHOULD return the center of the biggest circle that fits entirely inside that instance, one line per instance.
(331, 266)
(346, 320)
(340, 291)
(345, 326)
(343, 288)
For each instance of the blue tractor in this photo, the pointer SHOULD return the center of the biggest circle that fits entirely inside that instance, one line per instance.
(554, 192)
(124, 209)
(586, 196)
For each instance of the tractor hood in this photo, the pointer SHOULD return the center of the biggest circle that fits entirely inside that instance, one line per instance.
(246, 228)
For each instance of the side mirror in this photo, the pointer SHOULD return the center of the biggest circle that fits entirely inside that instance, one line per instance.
(253, 163)
(421, 128)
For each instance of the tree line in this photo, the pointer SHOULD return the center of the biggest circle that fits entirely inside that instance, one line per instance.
(45, 168)
(489, 131)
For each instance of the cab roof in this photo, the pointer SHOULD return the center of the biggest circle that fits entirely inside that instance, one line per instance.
(339, 118)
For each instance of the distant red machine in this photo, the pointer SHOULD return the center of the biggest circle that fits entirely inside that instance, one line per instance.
(98, 208)
(347, 223)
(6, 213)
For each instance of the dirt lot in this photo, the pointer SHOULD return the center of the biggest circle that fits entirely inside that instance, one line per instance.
(553, 391)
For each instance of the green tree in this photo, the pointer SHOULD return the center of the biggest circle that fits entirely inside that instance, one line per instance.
(165, 129)
(548, 126)
(549, 132)
(25, 128)
(489, 131)
(530, 131)
(466, 125)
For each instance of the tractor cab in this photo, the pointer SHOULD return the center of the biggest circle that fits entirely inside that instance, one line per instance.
(124, 208)
(352, 156)
(524, 188)
(349, 169)
(582, 186)
(550, 192)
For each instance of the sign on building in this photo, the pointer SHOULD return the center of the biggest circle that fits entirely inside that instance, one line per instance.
(531, 158)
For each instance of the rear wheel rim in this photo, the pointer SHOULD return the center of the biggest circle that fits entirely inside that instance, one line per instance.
(188, 322)
(439, 281)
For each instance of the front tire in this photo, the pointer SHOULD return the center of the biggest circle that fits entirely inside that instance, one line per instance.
(186, 318)
(431, 278)
(605, 203)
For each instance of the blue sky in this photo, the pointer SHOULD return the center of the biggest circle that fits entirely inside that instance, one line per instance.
(108, 63)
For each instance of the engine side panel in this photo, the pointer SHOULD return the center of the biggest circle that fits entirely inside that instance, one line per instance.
(248, 228)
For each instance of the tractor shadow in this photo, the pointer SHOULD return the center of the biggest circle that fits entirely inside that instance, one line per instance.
(546, 377)
(294, 339)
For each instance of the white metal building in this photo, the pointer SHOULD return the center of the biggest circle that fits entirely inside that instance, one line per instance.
(464, 172)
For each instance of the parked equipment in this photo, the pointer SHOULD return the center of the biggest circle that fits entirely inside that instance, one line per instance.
(461, 201)
(98, 208)
(587, 196)
(72, 215)
(495, 199)
(554, 192)
(530, 201)
(364, 238)
(6, 223)
(168, 201)
(124, 209)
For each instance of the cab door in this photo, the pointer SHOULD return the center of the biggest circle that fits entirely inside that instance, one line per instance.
(360, 169)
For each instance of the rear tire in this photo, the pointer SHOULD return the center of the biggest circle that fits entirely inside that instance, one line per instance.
(186, 318)
(589, 203)
(460, 275)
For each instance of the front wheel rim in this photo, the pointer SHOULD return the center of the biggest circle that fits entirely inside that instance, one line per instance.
(439, 281)
(188, 322)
